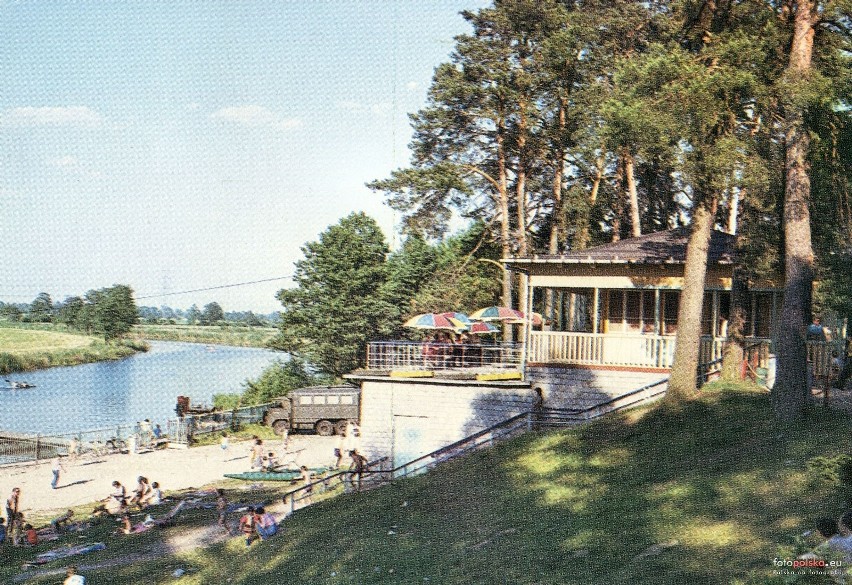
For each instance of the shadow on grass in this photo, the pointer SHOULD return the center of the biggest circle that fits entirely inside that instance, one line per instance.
(703, 493)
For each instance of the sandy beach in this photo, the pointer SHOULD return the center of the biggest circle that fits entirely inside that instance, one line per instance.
(88, 479)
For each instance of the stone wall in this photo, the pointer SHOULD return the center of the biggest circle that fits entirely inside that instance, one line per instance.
(578, 387)
(403, 419)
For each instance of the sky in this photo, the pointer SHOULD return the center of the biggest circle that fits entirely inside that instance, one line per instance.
(182, 145)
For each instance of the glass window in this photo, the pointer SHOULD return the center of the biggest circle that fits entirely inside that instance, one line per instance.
(347, 399)
(332, 399)
(319, 399)
(648, 309)
(304, 399)
(671, 305)
(616, 311)
(633, 310)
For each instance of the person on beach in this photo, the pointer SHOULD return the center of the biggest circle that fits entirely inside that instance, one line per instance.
(224, 443)
(271, 462)
(357, 467)
(154, 497)
(61, 523)
(31, 534)
(56, 468)
(12, 505)
(140, 492)
(265, 524)
(73, 450)
(117, 500)
(256, 454)
(308, 489)
(158, 432)
(247, 526)
(339, 447)
(222, 509)
(73, 578)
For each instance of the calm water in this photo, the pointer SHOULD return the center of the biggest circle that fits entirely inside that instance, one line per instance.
(146, 385)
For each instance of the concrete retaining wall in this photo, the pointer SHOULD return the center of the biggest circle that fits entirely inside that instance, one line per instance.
(404, 419)
(577, 387)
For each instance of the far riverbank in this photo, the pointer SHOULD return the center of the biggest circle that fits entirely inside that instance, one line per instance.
(233, 335)
(24, 349)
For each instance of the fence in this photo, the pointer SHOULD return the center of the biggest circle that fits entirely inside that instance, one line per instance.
(415, 355)
(22, 447)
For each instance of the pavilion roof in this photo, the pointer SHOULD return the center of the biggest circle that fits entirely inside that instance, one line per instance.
(668, 247)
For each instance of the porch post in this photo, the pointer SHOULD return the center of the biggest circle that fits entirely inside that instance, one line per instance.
(595, 309)
(714, 325)
(658, 318)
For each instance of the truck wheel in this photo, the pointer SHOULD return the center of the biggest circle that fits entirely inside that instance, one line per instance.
(280, 427)
(324, 428)
(340, 427)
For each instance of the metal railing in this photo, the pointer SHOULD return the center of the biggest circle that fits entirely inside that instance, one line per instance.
(416, 355)
(183, 430)
(339, 482)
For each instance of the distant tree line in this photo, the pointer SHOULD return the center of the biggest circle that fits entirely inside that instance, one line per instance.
(211, 314)
(110, 311)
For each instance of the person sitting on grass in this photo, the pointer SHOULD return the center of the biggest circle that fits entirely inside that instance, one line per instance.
(141, 492)
(247, 526)
(265, 524)
(60, 524)
(154, 497)
(31, 534)
(72, 578)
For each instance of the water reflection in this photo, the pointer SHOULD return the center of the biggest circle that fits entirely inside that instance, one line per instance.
(146, 385)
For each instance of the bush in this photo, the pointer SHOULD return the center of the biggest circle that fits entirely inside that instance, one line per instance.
(10, 363)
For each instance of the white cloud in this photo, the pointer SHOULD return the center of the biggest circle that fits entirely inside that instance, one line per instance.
(29, 116)
(377, 109)
(411, 85)
(255, 117)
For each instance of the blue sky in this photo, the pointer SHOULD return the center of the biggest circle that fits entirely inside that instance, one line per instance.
(181, 145)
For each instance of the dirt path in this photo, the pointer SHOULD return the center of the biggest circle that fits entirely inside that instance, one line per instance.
(174, 469)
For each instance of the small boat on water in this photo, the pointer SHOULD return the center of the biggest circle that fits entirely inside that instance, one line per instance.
(18, 385)
(284, 475)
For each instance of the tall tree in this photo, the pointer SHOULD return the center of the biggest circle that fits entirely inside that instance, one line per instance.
(337, 305)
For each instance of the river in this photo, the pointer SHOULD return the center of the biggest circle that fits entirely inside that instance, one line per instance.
(146, 385)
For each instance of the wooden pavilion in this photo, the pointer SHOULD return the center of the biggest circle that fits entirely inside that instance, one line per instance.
(616, 305)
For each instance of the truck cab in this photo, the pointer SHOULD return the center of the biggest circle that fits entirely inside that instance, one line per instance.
(323, 409)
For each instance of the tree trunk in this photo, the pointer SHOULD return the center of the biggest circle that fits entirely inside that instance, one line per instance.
(791, 392)
(735, 347)
(557, 224)
(583, 236)
(632, 194)
(682, 383)
(505, 233)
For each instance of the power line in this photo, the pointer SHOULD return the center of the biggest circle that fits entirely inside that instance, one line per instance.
(184, 292)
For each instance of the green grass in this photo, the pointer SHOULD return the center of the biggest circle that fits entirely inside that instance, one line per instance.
(716, 481)
(234, 335)
(30, 348)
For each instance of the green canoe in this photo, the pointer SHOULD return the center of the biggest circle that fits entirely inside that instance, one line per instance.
(289, 475)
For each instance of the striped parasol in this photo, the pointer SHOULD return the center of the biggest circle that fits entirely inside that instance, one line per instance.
(481, 327)
(497, 314)
(434, 321)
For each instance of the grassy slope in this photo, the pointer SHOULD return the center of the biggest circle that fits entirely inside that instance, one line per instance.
(562, 507)
(31, 348)
(225, 335)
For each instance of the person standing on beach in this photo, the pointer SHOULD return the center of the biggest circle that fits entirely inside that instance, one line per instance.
(257, 454)
(12, 505)
(56, 468)
(223, 444)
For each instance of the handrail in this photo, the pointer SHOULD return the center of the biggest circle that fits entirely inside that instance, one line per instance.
(324, 482)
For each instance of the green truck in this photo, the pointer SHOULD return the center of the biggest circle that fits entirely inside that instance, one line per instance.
(323, 409)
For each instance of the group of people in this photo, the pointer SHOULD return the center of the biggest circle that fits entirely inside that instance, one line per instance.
(257, 523)
(146, 493)
(442, 350)
(17, 531)
(837, 535)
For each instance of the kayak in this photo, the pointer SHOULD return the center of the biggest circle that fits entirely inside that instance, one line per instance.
(289, 475)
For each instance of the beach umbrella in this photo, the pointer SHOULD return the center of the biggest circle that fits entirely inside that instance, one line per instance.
(481, 327)
(458, 317)
(537, 320)
(497, 314)
(434, 321)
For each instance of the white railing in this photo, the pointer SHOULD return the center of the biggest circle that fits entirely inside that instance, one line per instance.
(649, 351)
(416, 355)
